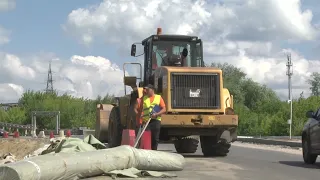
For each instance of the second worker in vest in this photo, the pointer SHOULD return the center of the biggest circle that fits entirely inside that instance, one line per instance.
(151, 100)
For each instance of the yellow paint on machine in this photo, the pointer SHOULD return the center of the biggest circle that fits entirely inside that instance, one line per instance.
(211, 120)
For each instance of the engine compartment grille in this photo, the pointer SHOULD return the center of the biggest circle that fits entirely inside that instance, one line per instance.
(195, 90)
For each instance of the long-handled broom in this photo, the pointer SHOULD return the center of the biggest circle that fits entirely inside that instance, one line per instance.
(143, 128)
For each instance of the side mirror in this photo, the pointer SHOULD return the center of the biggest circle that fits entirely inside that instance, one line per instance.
(133, 50)
(310, 114)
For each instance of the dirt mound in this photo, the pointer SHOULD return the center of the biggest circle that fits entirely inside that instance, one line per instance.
(20, 147)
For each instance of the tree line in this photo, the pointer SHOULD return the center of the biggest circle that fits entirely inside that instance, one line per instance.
(74, 112)
(260, 110)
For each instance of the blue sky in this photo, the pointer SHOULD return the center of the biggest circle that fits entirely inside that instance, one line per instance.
(35, 27)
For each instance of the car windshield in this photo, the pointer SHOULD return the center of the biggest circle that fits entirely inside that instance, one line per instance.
(169, 53)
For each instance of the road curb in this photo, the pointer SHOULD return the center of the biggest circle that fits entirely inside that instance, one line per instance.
(270, 142)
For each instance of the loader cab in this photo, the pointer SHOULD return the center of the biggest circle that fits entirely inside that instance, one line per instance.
(169, 50)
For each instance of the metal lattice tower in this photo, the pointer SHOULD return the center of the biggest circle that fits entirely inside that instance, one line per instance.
(49, 88)
(289, 74)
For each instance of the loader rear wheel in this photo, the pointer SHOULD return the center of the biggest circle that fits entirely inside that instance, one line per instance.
(186, 145)
(211, 146)
(102, 122)
(114, 128)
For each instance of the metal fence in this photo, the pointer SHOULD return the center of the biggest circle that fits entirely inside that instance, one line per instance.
(18, 126)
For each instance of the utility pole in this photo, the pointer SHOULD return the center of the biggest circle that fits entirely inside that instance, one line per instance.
(289, 74)
(49, 88)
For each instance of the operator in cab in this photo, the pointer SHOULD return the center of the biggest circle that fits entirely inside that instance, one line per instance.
(153, 104)
(179, 60)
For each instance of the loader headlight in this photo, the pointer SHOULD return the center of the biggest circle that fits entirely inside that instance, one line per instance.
(229, 111)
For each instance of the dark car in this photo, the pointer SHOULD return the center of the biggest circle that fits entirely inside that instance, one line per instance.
(311, 137)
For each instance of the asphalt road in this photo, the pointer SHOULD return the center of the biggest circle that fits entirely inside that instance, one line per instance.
(244, 163)
(248, 163)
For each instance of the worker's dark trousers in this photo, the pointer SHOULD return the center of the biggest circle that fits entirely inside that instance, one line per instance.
(154, 126)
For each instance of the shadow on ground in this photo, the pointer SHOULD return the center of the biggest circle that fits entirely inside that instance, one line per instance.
(199, 156)
(166, 150)
(300, 164)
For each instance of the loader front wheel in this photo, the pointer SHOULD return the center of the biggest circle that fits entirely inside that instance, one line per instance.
(114, 128)
(211, 146)
(186, 145)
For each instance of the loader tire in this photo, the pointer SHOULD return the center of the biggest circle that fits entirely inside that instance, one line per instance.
(186, 145)
(211, 146)
(114, 128)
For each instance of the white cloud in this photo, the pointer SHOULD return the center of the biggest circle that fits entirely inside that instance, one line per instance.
(125, 21)
(6, 5)
(272, 71)
(90, 76)
(80, 76)
(12, 66)
(254, 20)
(270, 20)
(10, 92)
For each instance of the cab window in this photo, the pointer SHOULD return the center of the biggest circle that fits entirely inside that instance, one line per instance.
(163, 51)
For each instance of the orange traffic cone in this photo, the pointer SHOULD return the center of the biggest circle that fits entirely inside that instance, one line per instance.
(51, 135)
(68, 134)
(5, 134)
(128, 137)
(16, 134)
(145, 141)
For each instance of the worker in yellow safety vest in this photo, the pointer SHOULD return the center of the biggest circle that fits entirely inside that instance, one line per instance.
(150, 101)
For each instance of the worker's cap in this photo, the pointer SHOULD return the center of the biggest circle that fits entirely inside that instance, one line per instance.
(149, 86)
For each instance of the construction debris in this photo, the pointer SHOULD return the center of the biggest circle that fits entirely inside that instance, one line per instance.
(71, 165)
(38, 151)
(135, 173)
(73, 158)
(41, 134)
(7, 158)
(68, 145)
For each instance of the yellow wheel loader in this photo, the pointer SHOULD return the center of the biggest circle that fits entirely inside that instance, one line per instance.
(197, 103)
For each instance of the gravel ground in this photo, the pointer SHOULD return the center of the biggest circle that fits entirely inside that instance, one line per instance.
(20, 147)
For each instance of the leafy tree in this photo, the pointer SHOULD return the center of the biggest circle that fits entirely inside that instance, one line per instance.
(260, 111)
(74, 112)
(232, 80)
(3, 116)
(16, 115)
(314, 82)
